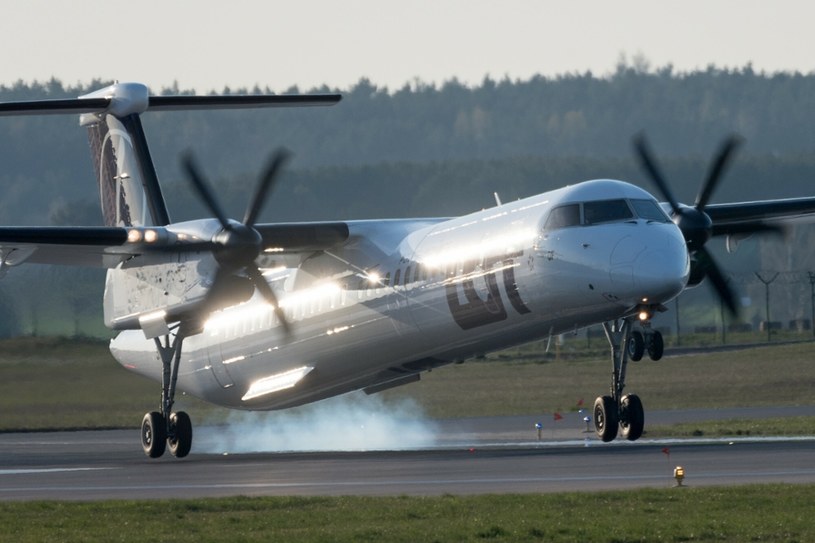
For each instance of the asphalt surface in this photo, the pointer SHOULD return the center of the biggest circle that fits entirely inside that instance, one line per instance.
(470, 456)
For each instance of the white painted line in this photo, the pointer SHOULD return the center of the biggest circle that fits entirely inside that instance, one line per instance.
(45, 470)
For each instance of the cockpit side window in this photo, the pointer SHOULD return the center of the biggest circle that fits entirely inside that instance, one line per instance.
(606, 211)
(563, 216)
(649, 210)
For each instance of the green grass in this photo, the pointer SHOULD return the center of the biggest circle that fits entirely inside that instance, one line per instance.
(54, 383)
(746, 513)
(774, 375)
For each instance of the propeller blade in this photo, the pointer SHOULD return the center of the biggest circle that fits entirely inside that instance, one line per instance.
(715, 174)
(266, 181)
(227, 289)
(268, 294)
(718, 281)
(204, 191)
(648, 162)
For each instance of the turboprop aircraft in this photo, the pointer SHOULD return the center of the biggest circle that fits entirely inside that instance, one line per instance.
(268, 316)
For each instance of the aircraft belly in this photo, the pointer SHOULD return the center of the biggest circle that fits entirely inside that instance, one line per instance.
(342, 348)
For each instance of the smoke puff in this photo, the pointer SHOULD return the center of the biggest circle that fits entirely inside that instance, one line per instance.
(353, 422)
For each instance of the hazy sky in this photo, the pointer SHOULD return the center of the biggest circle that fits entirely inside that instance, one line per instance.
(206, 44)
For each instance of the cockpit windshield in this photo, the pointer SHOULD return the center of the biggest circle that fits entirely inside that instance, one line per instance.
(649, 210)
(604, 211)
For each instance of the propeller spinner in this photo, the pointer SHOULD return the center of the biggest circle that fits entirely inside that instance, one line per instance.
(237, 245)
(695, 224)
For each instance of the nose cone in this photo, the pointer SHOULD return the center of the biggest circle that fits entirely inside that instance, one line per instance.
(661, 271)
(651, 263)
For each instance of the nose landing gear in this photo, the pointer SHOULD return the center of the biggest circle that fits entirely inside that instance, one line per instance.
(648, 341)
(617, 411)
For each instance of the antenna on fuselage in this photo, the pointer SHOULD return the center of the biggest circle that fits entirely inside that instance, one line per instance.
(497, 199)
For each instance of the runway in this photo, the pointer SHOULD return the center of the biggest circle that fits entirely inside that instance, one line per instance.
(491, 455)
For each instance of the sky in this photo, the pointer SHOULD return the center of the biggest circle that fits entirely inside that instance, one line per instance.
(208, 44)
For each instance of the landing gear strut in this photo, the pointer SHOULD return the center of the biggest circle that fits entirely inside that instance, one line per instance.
(160, 429)
(618, 411)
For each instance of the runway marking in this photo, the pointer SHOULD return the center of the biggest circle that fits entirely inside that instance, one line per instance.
(29, 471)
(350, 484)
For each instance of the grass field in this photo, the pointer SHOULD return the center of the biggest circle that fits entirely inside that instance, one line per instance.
(53, 383)
(749, 513)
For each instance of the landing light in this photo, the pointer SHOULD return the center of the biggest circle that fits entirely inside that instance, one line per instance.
(276, 383)
(644, 315)
(134, 236)
(150, 236)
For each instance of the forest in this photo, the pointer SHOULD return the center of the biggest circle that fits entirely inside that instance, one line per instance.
(431, 150)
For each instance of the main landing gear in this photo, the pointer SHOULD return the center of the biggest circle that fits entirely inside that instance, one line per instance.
(618, 411)
(165, 428)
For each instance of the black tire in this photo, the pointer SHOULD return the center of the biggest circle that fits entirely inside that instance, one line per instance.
(180, 438)
(636, 346)
(656, 346)
(606, 420)
(632, 417)
(153, 434)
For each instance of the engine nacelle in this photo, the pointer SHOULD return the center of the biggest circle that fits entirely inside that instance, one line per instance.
(697, 272)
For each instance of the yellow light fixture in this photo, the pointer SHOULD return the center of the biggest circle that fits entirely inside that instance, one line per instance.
(679, 475)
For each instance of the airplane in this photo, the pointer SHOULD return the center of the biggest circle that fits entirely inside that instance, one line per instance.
(265, 316)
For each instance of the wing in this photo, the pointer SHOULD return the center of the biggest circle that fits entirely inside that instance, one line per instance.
(109, 246)
(79, 246)
(770, 215)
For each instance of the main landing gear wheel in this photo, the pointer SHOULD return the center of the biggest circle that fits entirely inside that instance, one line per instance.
(605, 418)
(632, 417)
(180, 438)
(153, 434)
(164, 428)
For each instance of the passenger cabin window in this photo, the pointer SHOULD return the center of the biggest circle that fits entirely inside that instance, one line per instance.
(396, 277)
(563, 216)
(606, 211)
(649, 210)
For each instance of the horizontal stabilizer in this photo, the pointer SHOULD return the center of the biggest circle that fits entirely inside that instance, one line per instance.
(244, 101)
(55, 107)
(123, 99)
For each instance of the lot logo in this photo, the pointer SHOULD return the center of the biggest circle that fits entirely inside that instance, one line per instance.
(482, 303)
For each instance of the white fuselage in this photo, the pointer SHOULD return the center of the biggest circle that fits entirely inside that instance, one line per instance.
(403, 296)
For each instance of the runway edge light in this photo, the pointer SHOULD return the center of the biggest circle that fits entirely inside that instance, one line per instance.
(679, 475)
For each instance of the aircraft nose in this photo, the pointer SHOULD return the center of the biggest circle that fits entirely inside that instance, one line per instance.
(661, 273)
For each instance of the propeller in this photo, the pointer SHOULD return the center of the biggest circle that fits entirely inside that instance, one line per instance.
(238, 244)
(695, 224)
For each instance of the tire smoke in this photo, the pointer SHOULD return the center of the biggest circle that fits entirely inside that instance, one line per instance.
(352, 422)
